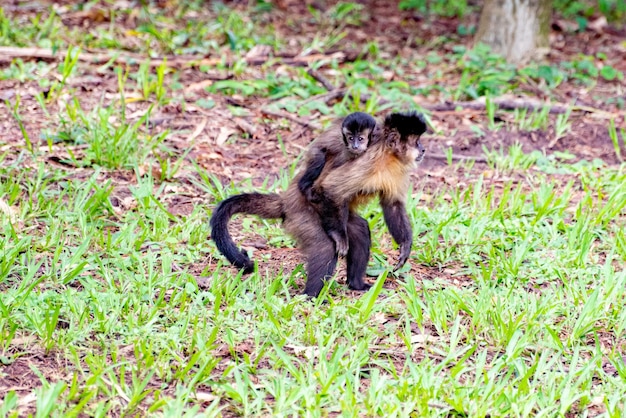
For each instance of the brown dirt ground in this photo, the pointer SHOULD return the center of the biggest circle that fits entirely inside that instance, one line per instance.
(258, 156)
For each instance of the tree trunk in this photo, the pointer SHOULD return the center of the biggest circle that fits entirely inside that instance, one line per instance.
(516, 29)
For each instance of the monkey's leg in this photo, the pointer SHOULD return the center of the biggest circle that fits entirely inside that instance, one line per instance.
(359, 252)
(334, 221)
(320, 265)
(397, 221)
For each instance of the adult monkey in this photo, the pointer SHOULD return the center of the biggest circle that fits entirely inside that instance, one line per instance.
(383, 170)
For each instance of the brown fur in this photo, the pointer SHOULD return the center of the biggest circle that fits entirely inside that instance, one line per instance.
(381, 171)
(331, 150)
(384, 170)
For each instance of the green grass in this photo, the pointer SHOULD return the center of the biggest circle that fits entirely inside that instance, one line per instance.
(538, 315)
(114, 303)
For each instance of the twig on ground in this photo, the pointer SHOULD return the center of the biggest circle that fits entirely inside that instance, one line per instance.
(247, 127)
(321, 79)
(511, 104)
(326, 97)
(295, 135)
(289, 116)
(456, 157)
(8, 54)
(506, 104)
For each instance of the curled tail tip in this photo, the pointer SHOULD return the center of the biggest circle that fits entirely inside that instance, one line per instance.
(246, 263)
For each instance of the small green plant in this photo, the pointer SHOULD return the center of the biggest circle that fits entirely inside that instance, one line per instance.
(613, 10)
(552, 76)
(614, 135)
(66, 68)
(150, 84)
(16, 115)
(26, 71)
(561, 125)
(339, 15)
(483, 73)
(111, 140)
(538, 119)
(490, 107)
(457, 8)
(514, 159)
(609, 73)
(346, 13)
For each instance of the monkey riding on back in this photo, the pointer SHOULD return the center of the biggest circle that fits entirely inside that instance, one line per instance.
(319, 207)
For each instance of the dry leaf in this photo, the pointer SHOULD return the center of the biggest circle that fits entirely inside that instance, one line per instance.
(204, 396)
(308, 352)
(598, 24)
(198, 130)
(224, 134)
(259, 51)
(198, 86)
(422, 338)
(8, 211)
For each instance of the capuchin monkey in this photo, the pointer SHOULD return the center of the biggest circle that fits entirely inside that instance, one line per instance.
(383, 171)
(356, 131)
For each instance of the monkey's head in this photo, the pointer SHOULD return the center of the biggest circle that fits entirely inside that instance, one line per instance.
(357, 130)
(403, 134)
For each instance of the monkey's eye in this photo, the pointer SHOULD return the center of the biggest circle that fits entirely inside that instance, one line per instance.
(361, 138)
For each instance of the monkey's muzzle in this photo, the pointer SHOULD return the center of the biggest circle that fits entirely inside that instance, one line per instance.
(420, 152)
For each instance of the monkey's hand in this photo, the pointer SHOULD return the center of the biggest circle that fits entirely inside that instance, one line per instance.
(405, 250)
(341, 242)
(315, 194)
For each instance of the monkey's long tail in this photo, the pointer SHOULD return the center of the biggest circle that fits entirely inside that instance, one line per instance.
(267, 206)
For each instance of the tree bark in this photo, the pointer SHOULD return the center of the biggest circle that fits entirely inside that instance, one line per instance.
(516, 29)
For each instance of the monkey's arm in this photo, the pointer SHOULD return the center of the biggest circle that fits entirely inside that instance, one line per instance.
(397, 221)
(316, 163)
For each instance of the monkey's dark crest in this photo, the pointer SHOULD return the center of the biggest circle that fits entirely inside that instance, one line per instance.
(409, 123)
(381, 171)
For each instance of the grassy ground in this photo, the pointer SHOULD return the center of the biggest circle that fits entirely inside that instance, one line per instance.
(123, 126)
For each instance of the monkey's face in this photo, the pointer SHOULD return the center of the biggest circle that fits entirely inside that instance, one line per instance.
(357, 130)
(403, 135)
(418, 149)
(356, 141)
(409, 148)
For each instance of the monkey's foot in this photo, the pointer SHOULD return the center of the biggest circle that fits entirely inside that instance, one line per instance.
(341, 243)
(362, 286)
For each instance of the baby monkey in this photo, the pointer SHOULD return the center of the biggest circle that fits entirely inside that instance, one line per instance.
(356, 131)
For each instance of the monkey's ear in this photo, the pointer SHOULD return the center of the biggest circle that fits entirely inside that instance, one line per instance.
(345, 131)
(408, 123)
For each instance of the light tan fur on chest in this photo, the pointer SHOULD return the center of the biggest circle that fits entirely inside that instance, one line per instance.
(387, 176)
(378, 172)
